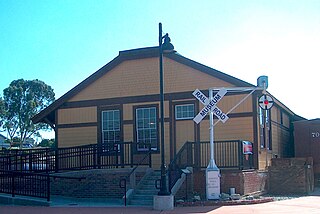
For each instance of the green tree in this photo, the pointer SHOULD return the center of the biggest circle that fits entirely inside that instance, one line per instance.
(47, 143)
(22, 100)
(2, 111)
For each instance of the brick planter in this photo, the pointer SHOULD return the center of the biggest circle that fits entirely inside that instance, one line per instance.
(245, 182)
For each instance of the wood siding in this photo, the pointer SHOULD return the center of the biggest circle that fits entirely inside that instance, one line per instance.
(141, 77)
(135, 83)
(234, 129)
(77, 136)
(77, 115)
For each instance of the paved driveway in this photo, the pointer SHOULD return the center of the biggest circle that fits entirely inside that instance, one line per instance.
(302, 205)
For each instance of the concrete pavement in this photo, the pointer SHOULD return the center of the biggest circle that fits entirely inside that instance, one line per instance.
(306, 204)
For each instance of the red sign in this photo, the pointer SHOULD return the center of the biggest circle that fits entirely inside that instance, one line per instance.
(247, 148)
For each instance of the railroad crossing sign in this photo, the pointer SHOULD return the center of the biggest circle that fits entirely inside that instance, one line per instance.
(210, 105)
(265, 102)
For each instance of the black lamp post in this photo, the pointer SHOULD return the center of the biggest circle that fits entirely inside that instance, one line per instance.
(166, 47)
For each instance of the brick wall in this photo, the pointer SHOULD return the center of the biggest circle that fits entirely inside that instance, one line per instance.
(97, 183)
(245, 182)
(291, 175)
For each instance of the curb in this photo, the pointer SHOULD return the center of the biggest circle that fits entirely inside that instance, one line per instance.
(224, 203)
(20, 200)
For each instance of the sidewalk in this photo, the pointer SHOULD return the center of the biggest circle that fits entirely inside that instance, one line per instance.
(306, 204)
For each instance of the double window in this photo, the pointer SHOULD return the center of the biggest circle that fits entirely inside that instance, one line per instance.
(146, 128)
(110, 130)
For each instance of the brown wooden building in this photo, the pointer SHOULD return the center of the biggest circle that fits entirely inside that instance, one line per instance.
(120, 102)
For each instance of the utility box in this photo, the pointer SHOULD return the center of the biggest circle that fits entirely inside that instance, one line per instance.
(307, 141)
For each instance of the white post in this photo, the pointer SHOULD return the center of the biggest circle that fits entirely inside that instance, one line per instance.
(212, 163)
(266, 126)
(212, 171)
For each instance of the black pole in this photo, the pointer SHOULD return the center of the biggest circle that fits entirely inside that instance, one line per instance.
(163, 180)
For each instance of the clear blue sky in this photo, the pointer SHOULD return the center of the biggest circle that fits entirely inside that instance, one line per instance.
(62, 42)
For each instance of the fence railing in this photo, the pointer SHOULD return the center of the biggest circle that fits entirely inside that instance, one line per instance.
(92, 156)
(18, 167)
(227, 155)
(28, 183)
(25, 183)
(26, 172)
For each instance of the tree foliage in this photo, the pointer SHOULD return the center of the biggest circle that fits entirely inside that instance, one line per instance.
(22, 100)
(47, 143)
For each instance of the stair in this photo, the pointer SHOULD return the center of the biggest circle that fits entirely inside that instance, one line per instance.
(143, 194)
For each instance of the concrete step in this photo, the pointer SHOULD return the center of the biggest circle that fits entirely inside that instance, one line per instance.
(142, 197)
(146, 190)
(141, 202)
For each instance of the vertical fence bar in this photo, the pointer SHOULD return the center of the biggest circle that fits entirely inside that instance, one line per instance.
(133, 147)
(240, 155)
(56, 160)
(12, 184)
(30, 160)
(150, 157)
(99, 150)
(94, 150)
(48, 187)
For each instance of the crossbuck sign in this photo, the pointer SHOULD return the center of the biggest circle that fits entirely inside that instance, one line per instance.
(210, 105)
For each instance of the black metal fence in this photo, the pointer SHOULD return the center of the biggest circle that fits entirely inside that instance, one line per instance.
(72, 158)
(227, 155)
(26, 171)
(25, 183)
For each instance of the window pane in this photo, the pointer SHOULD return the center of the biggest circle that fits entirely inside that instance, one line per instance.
(184, 111)
(110, 130)
(146, 127)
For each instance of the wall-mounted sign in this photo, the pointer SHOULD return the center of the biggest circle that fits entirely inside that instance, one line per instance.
(315, 134)
(247, 148)
(265, 102)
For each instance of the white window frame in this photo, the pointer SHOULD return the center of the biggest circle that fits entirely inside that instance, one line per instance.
(114, 128)
(147, 126)
(183, 116)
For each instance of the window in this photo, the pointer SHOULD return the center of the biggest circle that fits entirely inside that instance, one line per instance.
(146, 128)
(184, 111)
(110, 130)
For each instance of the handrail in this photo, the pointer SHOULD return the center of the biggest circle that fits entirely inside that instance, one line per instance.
(140, 162)
(191, 150)
(14, 174)
(179, 153)
(123, 181)
(173, 167)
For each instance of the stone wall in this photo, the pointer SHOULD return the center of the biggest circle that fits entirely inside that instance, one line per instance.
(291, 175)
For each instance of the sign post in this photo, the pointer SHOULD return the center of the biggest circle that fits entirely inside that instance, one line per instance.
(265, 103)
(212, 171)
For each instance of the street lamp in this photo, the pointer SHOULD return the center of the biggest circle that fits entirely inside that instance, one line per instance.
(164, 47)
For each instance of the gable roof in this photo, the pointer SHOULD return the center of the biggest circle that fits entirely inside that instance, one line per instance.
(48, 114)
